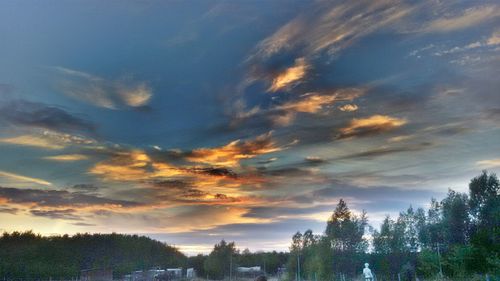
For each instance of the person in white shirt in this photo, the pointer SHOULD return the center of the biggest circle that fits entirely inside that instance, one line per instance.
(367, 273)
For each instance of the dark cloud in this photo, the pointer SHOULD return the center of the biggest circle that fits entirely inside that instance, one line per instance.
(171, 184)
(83, 224)
(289, 171)
(378, 152)
(175, 190)
(8, 210)
(274, 212)
(34, 114)
(64, 214)
(492, 114)
(58, 198)
(218, 172)
(85, 187)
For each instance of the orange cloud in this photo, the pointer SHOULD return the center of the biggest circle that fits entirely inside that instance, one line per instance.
(311, 103)
(371, 125)
(348, 107)
(290, 75)
(48, 140)
(314, 102)
(232, 153)
(67, 157)
(124, 166)
(32, 140)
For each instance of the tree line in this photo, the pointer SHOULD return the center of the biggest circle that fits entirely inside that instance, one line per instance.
(30, 256)
(225, 258)
(456, 237)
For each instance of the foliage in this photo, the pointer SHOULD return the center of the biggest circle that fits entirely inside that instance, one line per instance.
(225, 258)
(27, 255)
(459, 235)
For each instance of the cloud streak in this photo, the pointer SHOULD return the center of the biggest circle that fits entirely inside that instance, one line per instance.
(22, 178)
(376, 124)
(39, 115)
(111, 94)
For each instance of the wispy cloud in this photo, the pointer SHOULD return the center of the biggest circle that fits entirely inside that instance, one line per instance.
(284, 113)
(112, 94)
(48, 140)
(463, 19)
(331, 26)
(64, 214)
(67, 157)
(32, 140)
(371, 125)
(489, 163)
(290, 75)
(59, 199)
(235, 151)
(39, 115)
(22, 178)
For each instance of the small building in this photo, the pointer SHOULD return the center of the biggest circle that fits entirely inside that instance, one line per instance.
(138, 275)
(249, 272)
(175, 273)
(190, 273)
(96, 275)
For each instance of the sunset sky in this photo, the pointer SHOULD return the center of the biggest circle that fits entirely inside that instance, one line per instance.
(194, 121)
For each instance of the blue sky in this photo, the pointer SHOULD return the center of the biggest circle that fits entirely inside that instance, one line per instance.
(193, 121)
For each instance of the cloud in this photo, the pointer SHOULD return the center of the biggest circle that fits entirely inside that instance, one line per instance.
(331, 25)
(235, 151)
(290, 75)
(32, 140)
(378, 152)
(48, 140)
(489, 163)
(22, 178)
(314, 102)
(348, 107)
(85, 187)
(7, 210)
(469, 17)
(111, 94)
(494, 39)
(39, 115)
(67, 157)
(284, 113)
(59, 199)
(315, 160)
(64, 214)
(127, 166)
(370, 126)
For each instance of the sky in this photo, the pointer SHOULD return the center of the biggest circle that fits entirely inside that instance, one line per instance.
(196, 121)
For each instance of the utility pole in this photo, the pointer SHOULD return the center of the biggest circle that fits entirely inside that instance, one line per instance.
(230, 267)
(298, 267)
(439, 261)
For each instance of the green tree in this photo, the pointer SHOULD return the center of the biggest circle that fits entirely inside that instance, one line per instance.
(219, 261)
(344, 232)
(456, 220)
